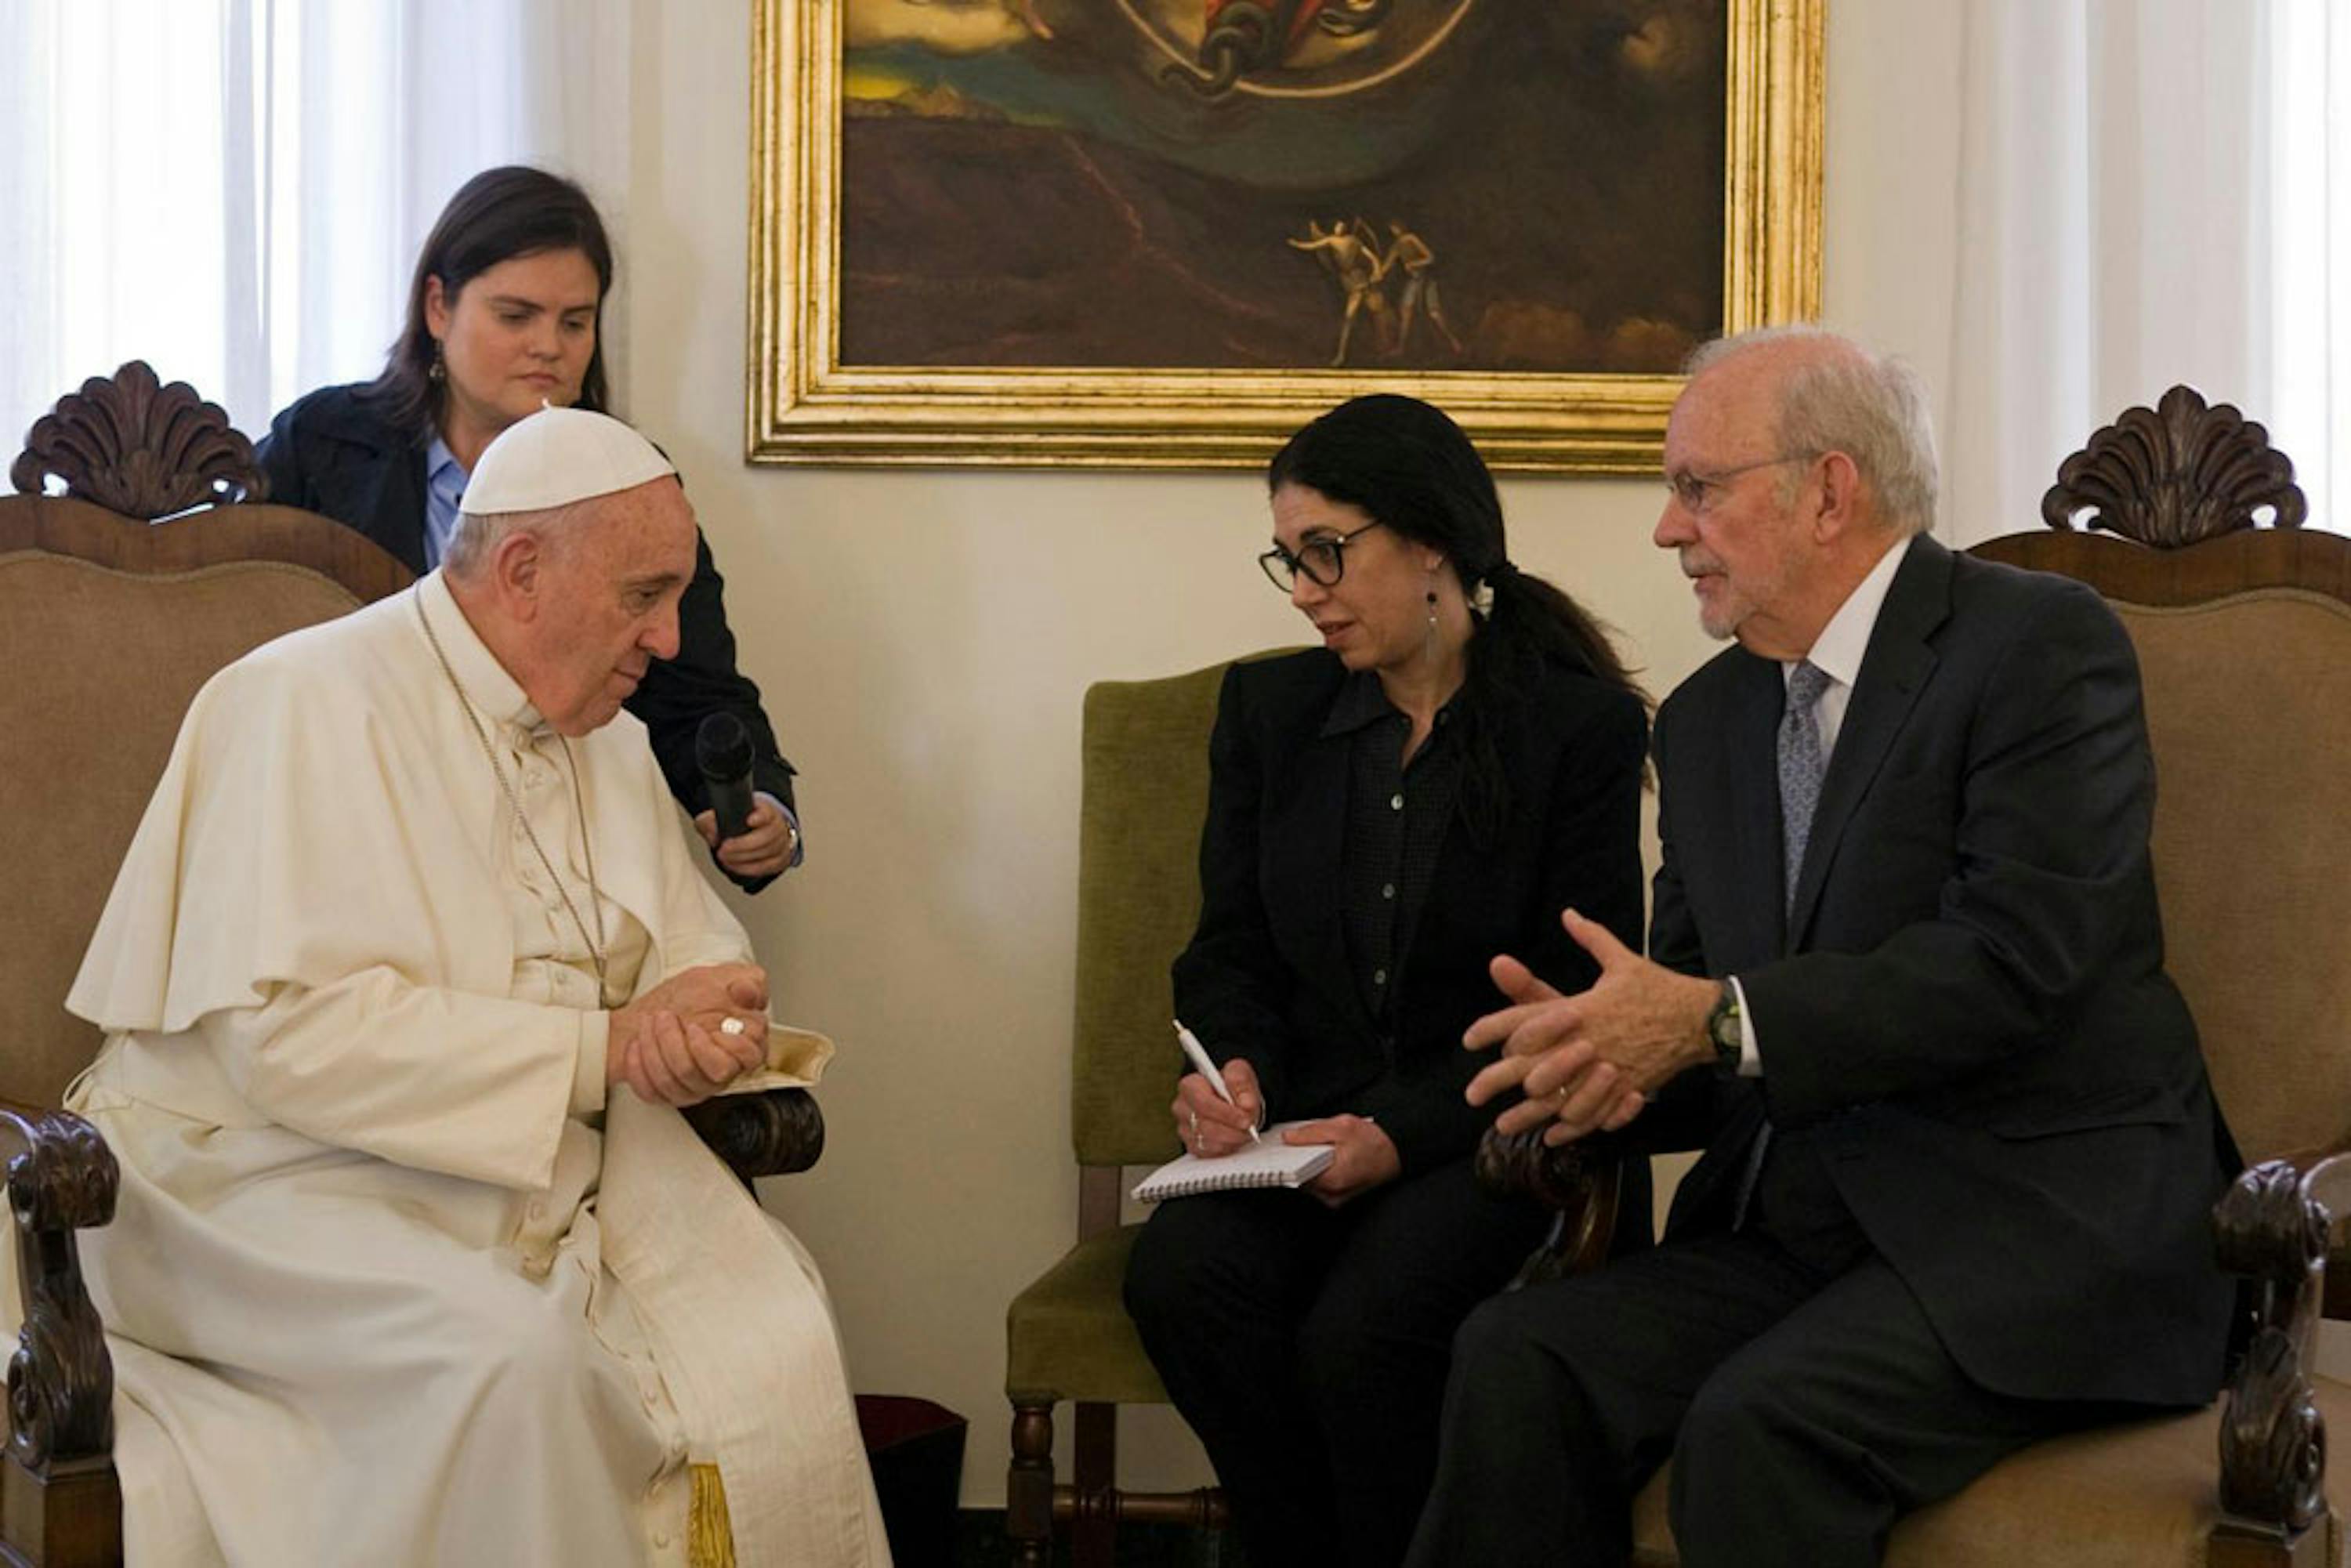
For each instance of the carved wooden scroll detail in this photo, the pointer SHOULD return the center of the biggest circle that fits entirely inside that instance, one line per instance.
(2273, 1438)
(138, 448)
(778, 1133)
(61, 1381)
(2174, 473)
(1581, 1180)
(1520, 1164)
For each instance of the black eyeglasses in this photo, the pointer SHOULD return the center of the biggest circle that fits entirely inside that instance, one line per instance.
(1321, 561)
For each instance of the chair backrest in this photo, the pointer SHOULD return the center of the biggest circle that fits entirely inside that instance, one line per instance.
(108, 626)
(1143, 797)
(2243, 636)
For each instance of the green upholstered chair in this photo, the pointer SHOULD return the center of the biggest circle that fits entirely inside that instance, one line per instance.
(2243, 636)
(1068, 1337)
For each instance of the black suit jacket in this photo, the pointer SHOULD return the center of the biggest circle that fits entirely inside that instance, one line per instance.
(1266, 976)
(1967, 1009)
(334, 454)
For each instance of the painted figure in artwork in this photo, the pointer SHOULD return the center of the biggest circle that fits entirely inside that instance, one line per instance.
(1409, 251)
(1351, 252)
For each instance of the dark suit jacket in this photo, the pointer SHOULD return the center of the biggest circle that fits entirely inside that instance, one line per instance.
(1966, 1009)
(332, 452)
(1266, 976)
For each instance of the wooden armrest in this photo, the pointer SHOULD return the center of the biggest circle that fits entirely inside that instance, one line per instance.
(2336, 1295)
(2273, 1226)
(1582, 1180)
(61, 1178)
(778, 1131)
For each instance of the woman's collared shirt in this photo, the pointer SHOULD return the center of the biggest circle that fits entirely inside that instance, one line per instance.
(1396, 816)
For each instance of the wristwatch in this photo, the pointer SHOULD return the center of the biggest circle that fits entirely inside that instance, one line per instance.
(1724, 1028)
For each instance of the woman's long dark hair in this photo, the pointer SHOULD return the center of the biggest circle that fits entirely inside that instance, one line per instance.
(1406, 464)
(497, 215)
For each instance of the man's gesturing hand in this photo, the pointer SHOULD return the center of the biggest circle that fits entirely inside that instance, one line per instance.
(1589, 1062)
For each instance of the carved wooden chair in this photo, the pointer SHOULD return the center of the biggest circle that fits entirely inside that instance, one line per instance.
(109, 623)
(1144, 799)
(2243, 636)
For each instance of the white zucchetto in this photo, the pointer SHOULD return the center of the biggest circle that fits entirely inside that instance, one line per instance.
(556, 456)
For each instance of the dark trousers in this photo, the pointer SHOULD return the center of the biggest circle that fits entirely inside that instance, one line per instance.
(1308, 1347)
(1804, 1398)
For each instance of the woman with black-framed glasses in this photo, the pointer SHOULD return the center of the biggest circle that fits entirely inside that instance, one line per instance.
(1460, 760)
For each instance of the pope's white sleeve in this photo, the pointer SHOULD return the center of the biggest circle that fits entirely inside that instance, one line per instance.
(444, 1080)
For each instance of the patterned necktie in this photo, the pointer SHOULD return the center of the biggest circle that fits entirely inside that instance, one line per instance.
(1800, 768)
(1800, 794)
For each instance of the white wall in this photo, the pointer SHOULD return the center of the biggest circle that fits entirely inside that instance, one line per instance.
(924, 640)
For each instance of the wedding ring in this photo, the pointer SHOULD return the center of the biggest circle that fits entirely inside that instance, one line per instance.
(1559, 1093)
(1196, 1123)
(732, 1026)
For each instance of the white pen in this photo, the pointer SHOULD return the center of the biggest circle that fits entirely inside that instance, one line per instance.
(1199, 1055)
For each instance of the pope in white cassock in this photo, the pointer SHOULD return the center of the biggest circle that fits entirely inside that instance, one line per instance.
(402, 978)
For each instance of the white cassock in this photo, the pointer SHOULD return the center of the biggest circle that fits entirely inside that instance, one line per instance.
(390, 1279)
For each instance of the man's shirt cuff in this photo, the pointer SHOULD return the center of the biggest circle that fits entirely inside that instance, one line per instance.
(588, 1070)
(1751, 1063)
(800, 841)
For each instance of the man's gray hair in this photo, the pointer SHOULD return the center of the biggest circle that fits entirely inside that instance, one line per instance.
(1871, 407)
(478, 534)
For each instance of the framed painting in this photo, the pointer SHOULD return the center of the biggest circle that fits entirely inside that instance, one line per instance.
(1163, 234)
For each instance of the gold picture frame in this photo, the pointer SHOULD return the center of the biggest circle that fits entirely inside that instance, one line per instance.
(804, 406)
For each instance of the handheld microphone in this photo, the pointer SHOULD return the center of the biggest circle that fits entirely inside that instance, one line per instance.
(722, 751)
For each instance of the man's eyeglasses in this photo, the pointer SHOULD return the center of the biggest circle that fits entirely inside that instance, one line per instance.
(1321, 561)
(1698, 491)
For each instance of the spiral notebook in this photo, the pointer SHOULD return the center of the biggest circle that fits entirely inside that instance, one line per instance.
(1269, 1161)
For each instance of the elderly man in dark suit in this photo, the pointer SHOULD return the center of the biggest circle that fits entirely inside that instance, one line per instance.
(1905, 988)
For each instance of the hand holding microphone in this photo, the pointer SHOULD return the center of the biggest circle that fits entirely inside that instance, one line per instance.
(722, 751)
(750, 832)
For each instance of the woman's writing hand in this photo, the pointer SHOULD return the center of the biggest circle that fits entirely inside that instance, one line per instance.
(1208, 1125)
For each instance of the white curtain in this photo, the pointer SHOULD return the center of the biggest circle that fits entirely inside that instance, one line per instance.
(2150, 192)
(2310, 230)
(235, 190)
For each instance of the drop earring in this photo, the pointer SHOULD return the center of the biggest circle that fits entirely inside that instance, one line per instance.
(436, 372)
